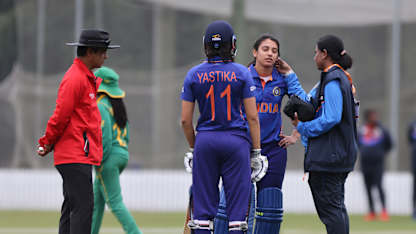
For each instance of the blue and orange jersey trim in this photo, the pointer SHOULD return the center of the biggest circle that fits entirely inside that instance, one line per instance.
(219, 88)
(217, 60)
(339, 66)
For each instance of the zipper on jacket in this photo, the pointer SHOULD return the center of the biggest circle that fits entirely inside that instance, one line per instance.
(86, 144)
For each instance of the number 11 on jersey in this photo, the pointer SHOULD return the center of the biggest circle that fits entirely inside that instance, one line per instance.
(226, 92)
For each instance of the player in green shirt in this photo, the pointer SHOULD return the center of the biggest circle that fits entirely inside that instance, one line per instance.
(115, 130)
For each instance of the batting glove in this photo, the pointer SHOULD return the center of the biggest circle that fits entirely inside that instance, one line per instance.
(259, 165)
(187, 160)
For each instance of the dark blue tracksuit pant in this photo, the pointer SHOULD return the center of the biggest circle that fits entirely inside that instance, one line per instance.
(277, 158)
(328, 195)
(227, 155)
(374, 178)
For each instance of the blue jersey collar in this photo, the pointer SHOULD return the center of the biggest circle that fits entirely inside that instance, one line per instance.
(217, 60)
(254, 74)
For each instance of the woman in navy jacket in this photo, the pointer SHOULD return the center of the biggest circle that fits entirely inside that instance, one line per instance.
(330, 139)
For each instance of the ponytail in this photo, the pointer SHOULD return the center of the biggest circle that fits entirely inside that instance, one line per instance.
(335, 49)
(345, 61)
(119, 110)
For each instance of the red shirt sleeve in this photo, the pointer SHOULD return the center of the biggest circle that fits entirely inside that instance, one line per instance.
(68, 97)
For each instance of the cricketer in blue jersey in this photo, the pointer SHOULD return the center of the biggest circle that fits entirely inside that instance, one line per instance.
(374, 143)
(271, 81)
(269, 95)
(211, 84)
(221, 147)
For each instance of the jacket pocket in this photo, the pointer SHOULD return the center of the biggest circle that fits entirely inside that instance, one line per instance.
(86, 144)
(321, 152)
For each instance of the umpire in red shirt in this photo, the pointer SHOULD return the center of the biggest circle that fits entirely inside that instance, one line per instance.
(74, 133)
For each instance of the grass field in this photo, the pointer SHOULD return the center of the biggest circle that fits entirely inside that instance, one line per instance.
(40, 222)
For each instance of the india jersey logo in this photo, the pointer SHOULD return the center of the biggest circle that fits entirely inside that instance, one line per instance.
(252, 88)
(276, 91)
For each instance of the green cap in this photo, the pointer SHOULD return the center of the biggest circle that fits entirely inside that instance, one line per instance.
(109, 85)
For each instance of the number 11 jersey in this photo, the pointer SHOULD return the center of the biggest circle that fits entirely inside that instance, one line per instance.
(219, 88)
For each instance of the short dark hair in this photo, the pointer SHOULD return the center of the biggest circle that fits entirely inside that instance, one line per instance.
(262, 38)
(82, 50)
(335, 49)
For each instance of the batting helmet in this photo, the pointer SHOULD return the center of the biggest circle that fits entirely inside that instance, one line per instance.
(218, 34)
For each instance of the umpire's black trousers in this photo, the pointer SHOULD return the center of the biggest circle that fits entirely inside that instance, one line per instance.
(76, 212)
(328, 194)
